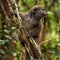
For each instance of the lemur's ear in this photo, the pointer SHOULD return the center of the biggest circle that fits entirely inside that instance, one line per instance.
(33, 12)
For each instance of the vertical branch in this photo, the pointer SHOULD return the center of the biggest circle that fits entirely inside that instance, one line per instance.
(43, 31)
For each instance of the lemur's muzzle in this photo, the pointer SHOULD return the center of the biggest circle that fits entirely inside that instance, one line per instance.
(44, 13)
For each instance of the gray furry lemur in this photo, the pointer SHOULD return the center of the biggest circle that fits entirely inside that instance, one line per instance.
(31, 20)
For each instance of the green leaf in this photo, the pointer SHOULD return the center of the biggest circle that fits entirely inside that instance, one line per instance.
(2, 42)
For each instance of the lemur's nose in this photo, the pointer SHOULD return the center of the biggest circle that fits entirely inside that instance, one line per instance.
(44, 13)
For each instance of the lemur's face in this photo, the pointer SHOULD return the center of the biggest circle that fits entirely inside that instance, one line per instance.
(37, 12)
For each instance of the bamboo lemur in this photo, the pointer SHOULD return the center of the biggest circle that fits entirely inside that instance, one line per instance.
(32, 20)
